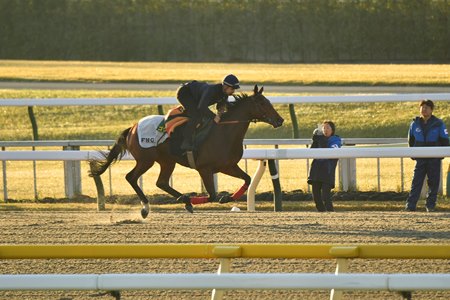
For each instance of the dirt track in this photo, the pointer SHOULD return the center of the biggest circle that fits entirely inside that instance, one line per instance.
(221, 227)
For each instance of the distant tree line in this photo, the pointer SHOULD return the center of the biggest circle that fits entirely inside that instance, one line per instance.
(277, 31)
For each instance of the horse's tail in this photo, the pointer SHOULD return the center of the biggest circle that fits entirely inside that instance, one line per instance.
(99, 166)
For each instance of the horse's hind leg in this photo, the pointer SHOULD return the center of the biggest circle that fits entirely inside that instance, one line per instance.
(132, 178)
(163, 183)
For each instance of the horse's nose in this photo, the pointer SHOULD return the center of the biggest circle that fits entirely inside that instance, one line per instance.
(280, 122)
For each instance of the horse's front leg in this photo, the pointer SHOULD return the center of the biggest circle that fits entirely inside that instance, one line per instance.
(237, 172)
(208, 181)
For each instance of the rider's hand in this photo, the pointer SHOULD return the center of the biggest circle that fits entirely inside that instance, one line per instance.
(217, 119)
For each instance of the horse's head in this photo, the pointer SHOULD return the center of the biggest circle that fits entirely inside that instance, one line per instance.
(263, 109)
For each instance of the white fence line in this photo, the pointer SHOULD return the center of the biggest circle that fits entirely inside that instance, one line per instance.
(257, 154)
(236, 281)
(246, 142)
(273, 99)
(72, 172)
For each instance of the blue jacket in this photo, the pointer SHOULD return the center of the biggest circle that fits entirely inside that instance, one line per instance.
(324, 170)
(433, 133)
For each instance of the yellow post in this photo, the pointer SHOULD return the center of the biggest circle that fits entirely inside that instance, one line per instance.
(342, 253)
(224, 267)
(341, 267)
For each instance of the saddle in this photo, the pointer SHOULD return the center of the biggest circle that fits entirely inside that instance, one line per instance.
(174, 121)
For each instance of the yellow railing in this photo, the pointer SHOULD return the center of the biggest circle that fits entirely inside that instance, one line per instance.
(226, 252)
(301, 251)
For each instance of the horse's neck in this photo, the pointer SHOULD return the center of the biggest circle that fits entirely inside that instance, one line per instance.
(237, 132)
(235, 125)
(238, 113)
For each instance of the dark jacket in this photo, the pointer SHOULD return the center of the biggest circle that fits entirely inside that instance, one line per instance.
(199, 96)
(323, 170)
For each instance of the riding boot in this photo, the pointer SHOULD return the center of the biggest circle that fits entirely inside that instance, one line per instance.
(188, 131)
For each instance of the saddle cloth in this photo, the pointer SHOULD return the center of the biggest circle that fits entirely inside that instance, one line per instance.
(151, 131)
(174, 118)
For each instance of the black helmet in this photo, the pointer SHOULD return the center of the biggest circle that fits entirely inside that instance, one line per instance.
(232, 81)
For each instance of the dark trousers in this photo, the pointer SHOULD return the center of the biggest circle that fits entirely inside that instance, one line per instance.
(184, 96)
(430, 167)
(322, 196)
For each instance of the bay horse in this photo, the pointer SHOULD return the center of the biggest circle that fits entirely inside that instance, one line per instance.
(221, 152)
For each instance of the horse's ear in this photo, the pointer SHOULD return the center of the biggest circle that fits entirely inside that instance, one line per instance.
(261, 90)
(255, 89)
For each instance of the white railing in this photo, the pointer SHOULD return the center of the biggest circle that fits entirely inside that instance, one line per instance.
(70, 188)
(273, 99)
(341, 280)
(235, 281)
(72, 171)
(258, 154)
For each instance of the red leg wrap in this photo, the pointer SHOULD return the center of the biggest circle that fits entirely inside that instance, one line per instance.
(199, 200)
(240, 192)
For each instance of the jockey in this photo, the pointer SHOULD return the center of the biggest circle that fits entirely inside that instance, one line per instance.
(197, 96)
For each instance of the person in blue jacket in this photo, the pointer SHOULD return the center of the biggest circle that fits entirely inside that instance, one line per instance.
(322, 172)
(426, 131)
(197, 96)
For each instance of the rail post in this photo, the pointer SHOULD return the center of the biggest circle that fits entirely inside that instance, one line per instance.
(224, 267)
(5, 181)
(72, 175)
(448, 181)
(347, 174)
(342, 254)
(277, 194)
(295, 132)
(100, 190)
(253, 184)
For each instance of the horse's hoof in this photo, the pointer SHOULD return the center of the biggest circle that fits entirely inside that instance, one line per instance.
(185, 199)
(189, 208)
(226, 199)
(144, 213)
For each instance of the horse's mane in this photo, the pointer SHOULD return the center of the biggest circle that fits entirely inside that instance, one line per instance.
(233, 107)
(240, 97)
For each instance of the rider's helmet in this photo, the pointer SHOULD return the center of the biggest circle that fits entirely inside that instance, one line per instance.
(232, 81)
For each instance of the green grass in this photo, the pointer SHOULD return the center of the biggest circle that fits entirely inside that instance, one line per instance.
(370, 120)
(301, 74)
(353, 120)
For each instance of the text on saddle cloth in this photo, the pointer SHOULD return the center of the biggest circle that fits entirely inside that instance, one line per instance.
(151, 131)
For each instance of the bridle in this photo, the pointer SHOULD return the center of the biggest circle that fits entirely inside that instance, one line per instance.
(257, 105)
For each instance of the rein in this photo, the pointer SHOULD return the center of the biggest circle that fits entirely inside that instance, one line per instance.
(234, 122)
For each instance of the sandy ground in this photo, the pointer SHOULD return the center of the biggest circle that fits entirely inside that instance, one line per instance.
(221, 227)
